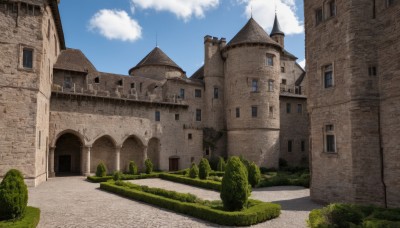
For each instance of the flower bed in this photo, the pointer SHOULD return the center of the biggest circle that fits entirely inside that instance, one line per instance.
(30, 220)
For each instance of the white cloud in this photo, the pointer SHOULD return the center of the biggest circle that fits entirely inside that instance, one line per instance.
(302, 63)
(116, 25)
(183, 9)
(264, 14)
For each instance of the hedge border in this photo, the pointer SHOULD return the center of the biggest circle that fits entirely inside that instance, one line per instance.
(207, 184)
(96, 179)
(259, 213)
(30, 220)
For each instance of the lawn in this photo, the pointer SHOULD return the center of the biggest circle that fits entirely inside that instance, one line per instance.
(30, 220)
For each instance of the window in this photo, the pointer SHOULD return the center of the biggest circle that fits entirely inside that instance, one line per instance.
(216, 93)
(389, 2)
(207, 152)
(97, 80)
(318, 16)
(303, 146)
(197, 93)
(282, 69)
(237, 112)
(270, 60)
(329, 128)
(254, 111)
(372, 71)
(284, 81)
(328, 76)
(288, 107)
(176, 116)
(198, 114)
(299, 108)
(189, 136)
(271, 85)
(254, 85)
(140, 86)
(27, 58)
(132, 85)
(67, 82)
(332, 8)
(120, 82)
(271, 110)
(182, 94)
(289, 145)
(158, 116)
(330, 144)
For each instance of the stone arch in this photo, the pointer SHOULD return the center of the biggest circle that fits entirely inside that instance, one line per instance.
(103, 150)
(70, 131)
(153, 152)
(132, 149)
(67, 154)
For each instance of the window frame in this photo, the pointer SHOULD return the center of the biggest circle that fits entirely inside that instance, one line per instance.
(65, 83)
(177, 116)
(198, 115)
(237, 112)
(319, 16)
(328, 70)
(269, 61)
(254, 85)
(197, 93)
(254, 111)
(288, 108)
(290, 146)
(303, 145)
(271, 85)
(182, 93)
(157, 116)
(300, 108)
(329, 135)
(31, 50)
(216, 93)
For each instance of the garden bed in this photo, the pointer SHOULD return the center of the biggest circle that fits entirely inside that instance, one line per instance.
(96, 179)
(284, 178)
(30, 220)
(188, 204)
(207, 184)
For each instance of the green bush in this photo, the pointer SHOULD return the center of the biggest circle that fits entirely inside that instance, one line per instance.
(258, 212)
(213, 161)
(217, 173)
(13, 195)
(101, 170)
(235, 186)
(96, 179)
(149, 166)
(194, 171)
(254, 175)
(133, 169)
(204, 169)
(207, 184)
(245, 162)
(221, 164)
(285, 179)
(29, 220)
(117, 175)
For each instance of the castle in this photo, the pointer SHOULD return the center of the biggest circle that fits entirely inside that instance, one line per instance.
(59, 115)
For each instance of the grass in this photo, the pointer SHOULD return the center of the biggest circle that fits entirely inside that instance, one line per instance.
(30, 220)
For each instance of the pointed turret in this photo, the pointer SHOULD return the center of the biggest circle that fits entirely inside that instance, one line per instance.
(277, 34)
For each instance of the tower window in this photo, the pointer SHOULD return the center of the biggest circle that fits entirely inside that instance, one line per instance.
(284, 81)
(27, 58)
(216, 93)
(182, 93)
(254, 85)
(176, 116)
(198, 114)
(271, 85)
(288, 108)
(97, 80)
(289, 145)
(318, 16)
(328, 76)
(190, 136)
(372, 71)
(332, 8)
(299, 108)
(270, 60)
(254, 111)
(303, 146)
(282, 69)
(271, 111)
(158, 116)
(197, 93)
(330, 143)
(237, 112)
(132, 85)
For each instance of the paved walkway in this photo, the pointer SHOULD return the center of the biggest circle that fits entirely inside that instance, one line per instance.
(73, 202)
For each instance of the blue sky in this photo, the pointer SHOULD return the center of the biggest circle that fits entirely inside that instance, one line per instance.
(115, 35)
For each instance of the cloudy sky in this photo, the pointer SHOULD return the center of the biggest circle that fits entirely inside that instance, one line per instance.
(115, 35)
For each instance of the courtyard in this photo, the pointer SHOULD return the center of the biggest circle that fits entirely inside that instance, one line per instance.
(74, 202)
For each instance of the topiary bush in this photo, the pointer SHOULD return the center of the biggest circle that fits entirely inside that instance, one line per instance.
(133, 169)
(221, 164)
(235, 189)
(194, 171)
(204, 169)
(149, 166)
(13, 196)
(117, 175)
(101, 170)
(254, 175)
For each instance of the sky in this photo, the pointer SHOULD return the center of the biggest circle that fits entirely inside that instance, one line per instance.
(116, 34)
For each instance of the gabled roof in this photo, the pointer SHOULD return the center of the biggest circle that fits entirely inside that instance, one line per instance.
(156, 58)
(252, 32)
(74, 60)
(276, 30)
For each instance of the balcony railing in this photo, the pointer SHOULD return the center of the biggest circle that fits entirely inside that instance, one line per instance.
(299, 90)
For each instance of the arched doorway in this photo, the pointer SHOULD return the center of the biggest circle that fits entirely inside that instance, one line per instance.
(103, 150)
(132, 149)
(67, 155)
(153, 152)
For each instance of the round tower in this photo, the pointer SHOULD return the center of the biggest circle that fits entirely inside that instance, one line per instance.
(252, 95)
(277, 34)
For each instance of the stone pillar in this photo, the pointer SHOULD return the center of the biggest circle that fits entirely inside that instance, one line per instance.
(51, 162)
(117, 158)
(144, 158)
(86, 160)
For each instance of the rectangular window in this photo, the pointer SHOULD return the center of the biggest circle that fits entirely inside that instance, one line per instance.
(303, 146)
(271, 85)
(299, 108)
(67, 82)
(332, 8)
(176, 116)
(198, 114)
(190, 136)
(270, 60)
(254, 85)
(372, 71)
(254, 111)
(120, 82)
(271, 110)
(132, 85)
(27, 58)
(96, 80)
(329, 128)
(197, 93)
(237, 112)
(318, 16)
(328, 76)
(288, 107)
(330, 143)
(289, 145)
(158, 116)
(282, 69)
(140, 86)
(284, 81)
(182, 94)
(216, 93)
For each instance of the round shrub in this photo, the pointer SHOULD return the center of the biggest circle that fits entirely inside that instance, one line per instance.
(149, 166)
(13, 196)
(101, 170)
(117, 175)
(254, 175)
(133, 169)
(194, 171)
(204, 169)
(221, 164)
(235, 189)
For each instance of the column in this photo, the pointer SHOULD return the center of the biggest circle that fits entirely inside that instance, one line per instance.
(86, 160)
(117, 158)
(142, 166)
(51, 162)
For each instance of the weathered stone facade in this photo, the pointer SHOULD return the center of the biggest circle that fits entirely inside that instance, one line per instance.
(352, 46)
(64, 117)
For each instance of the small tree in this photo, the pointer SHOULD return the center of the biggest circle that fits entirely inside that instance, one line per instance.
(13, 195)
(254, 175)
(204, 168)
(235, 189)
(101, 170)
(133, 169)
(221, 164)
(149, 166)
(194, 171)
(117, 175)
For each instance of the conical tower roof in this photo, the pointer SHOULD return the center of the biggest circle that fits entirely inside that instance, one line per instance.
(276, 30)
(252, 32)
(156, 58)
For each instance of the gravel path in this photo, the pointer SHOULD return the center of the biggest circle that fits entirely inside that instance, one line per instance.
(73, 202)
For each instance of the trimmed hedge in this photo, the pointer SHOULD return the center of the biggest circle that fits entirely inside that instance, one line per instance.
(96, 179)
(13, 195)
(257, 213)
(217, 173)
(30, 219)
(207, 184)
(286, 179)
(101, 170)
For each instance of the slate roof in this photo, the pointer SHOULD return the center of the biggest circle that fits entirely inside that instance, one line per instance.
(74, 60)
(276, 30)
